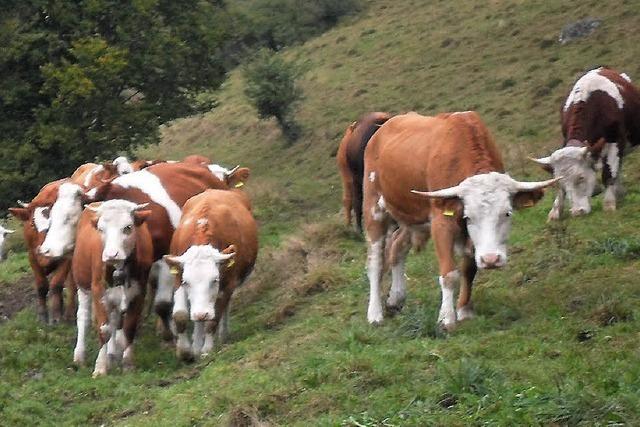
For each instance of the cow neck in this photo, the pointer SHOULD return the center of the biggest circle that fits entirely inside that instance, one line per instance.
(575, 126)
(480, 153)
(576, 143)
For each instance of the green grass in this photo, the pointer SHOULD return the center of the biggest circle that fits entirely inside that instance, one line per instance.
(555, 337)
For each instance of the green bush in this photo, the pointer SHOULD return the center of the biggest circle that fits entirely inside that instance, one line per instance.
(271, 88)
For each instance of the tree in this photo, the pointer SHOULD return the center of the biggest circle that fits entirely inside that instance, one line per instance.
(271, 88)
(86, 80)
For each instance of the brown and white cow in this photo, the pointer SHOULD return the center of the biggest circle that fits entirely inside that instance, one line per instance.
(213, 251)
(465, 203)
(111, 262)
(600, 121)
(350, 159)
(3, 239)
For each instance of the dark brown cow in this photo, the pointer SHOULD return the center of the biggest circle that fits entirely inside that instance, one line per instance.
(350, 159)
(600, 120)
(213, 252)
(50, 274)
(468, 204)
(111, 262)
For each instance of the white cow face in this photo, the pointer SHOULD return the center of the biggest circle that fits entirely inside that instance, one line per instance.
(122, 165)
(3, 235)
(62, 221)
(200, 266)
(488, 201)
(577, 169)
(116, 222)
(222, 173)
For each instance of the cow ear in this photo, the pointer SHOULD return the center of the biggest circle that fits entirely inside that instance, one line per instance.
(172, 261)
(238, 177)
(141, 216)
(527, 199)
(22, 214)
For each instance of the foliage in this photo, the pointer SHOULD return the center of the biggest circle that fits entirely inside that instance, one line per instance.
(271, 87)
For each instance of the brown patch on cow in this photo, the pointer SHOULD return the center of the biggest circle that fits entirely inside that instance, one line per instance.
(14, 297)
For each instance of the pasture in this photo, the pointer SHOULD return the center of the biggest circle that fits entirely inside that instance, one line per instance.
(555, 340)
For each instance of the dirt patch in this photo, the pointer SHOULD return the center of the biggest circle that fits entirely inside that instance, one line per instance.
(16, 296)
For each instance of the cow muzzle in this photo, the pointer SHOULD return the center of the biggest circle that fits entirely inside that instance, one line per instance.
(491, 261)
(53, 253)
(201, 316)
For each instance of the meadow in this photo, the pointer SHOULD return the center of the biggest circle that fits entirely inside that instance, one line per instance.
(555, 337)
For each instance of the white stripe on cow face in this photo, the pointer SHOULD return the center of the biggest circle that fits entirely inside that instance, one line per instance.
(589, 83)
(151, 185)
(116, 224)
(41, 219)
(64, 217)
(201, 279)
(577, 169)
(122, 165)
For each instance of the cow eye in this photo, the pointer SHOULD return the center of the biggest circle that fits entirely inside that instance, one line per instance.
(127, 229)
(509, 213)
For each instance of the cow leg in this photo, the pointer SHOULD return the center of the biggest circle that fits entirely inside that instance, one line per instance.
(197, 338)
(104, 335)
(71, 305)
(83, 322)
(357, 203)
(558, 206)
(347, 195)
(130, 326)
(56, 287)
(181, 319)
(443, 231)
(163, 300)
(42, 289)
(223, 327)
(220, 323)
(610, 173)
(400, 247)
(469, 270)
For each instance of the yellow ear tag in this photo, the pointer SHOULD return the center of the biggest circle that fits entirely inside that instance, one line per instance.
(449, 213)
(231, 262)
(173, 270)
(240, 184)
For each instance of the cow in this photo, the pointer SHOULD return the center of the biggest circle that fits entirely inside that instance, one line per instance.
(600, 121)
(350, 159)
(213, 251)
(197, 159)
(111, 262)
(3, 236)
(49, 274)
(165, 186)
(442, 177)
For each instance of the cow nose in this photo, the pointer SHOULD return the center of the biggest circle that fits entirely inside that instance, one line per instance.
(491, 260)
(202, 316)
(578, 211)
(43, 251)
(110, 256)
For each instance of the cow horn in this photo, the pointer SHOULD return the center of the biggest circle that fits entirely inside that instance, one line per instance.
(544, 161)
(440, 194)
(535, 185)
(23, 204)
(172, 260)
(232, 171)
(141, 206)
(93, 208)
(223, 257)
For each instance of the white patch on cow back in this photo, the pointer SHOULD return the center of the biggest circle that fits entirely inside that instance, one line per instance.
(91, 174)
(626, 77)
(151, 185)
(589, 83)
(41, 221)
(460, 112)
(372, 176)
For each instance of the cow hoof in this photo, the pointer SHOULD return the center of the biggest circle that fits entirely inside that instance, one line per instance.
(185, 355)
(167, 335)
(609, 206)
(43, 318)
(375, 320)
(99, 373)
(393, 309)
(78, 358)
(446, 327)
(554, 215)
(465, 313)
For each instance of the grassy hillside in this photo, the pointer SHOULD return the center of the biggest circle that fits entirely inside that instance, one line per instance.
(555, 339)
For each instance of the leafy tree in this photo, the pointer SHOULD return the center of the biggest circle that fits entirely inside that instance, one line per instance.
(271, 88)
(80, 80)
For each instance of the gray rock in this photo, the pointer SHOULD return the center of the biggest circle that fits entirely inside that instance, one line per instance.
(578, 29)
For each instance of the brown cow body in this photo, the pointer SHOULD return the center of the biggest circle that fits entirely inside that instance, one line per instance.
(350, 159)
(117, 304)
(220, 223)
(455, 159)
(600, 121)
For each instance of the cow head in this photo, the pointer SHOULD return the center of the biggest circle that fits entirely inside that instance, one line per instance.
(488, 202)
(233, 177)
(577, 168)
(122, 165)
(117, 221)
(199, 268)
(3, 235)
(62, 221)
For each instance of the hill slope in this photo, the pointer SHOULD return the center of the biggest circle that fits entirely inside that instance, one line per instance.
(555, 339)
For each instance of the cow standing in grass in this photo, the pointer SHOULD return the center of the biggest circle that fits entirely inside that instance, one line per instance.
(465, 202)
(111, 262)
(3, 239)
(213, 251)
(350, 159)
(600, 121)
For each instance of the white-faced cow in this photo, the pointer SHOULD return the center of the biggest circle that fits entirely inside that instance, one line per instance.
(213, 252)
(350, 159)
(111, 262)
(600, 121)
(441, 176)
(3, 238)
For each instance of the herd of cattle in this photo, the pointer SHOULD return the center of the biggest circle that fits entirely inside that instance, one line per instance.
(185, 230)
